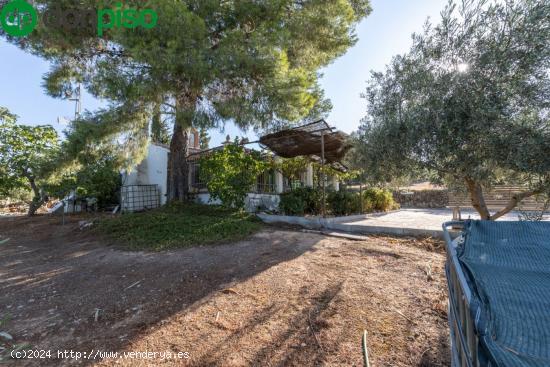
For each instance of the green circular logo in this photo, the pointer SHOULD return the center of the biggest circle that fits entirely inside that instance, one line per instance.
(18, 18)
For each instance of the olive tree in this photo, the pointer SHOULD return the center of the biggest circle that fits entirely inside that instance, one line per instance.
(470, 102)
(26, 156)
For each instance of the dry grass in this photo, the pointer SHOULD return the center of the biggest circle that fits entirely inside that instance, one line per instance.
(278, 298)
(313, 309)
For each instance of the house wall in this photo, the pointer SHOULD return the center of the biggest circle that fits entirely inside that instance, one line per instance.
(153, 170)
(252, 202)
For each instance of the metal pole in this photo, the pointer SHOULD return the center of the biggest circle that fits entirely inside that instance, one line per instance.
(77, 98)
(361, 196)
(365, 350)
(323, 177)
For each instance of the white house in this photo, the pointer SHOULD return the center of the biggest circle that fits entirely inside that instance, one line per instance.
(145, 187)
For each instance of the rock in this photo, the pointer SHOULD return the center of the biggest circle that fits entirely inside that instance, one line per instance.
(6, 336)
(83, 224)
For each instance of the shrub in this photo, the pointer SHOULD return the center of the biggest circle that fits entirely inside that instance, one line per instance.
(230, 173)
(378, 199)
(300, 201)
(99, 179)
(307, 200)
(292, 204)
(343, 203)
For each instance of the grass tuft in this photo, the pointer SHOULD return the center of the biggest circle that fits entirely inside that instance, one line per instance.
(179, 225)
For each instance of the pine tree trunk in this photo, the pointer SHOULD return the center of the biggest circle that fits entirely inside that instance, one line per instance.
(178, 172)
(178, 168)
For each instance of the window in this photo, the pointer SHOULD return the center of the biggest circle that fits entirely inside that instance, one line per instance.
(194, 174)
(265, 183)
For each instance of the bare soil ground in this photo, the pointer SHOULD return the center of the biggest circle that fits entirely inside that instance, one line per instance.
(280, 298)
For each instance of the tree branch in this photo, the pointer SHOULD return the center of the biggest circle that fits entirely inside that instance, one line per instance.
(514, 201)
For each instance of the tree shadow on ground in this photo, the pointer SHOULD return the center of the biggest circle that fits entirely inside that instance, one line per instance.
(64, 289)
(297, 344)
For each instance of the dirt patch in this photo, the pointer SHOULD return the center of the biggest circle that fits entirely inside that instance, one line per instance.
(281, 297)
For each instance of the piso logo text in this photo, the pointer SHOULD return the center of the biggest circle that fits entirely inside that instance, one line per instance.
(18, 18)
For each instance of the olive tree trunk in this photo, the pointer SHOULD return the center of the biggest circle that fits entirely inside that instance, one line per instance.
(37, 200)
(478, 201)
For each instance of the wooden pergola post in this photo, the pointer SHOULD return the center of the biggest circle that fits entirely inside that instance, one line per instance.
(323, 178)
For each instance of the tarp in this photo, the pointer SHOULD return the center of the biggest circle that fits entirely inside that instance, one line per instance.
(508, 264)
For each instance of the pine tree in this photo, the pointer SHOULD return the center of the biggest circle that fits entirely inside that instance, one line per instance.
(253, 62)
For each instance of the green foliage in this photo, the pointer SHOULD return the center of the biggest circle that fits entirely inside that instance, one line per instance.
(120, 132)
(300, 201)
(98, 179)
(253, 62)
(292, 204)
(177, 225)
(160, 132)
(230, 173)
(308, 200)
(204, 139)
(375, 199)
(343, 203)
(468, 102)
(26, 156)
(6, 116)
(348, 203)
(18, 195)
(292, 168)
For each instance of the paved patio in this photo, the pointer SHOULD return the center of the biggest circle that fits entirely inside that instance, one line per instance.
(420, 218)
(404, 222)
(428, 220)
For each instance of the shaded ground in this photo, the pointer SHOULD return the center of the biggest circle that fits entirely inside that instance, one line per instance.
(279, 298)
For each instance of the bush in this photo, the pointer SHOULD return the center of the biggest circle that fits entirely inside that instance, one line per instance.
(379, 200)
(307, 200)
(292, 204)
(95, 179)
(230, 173)
(300, 201)
(343, 203)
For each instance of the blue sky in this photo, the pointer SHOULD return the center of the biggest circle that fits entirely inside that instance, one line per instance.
(385, 33)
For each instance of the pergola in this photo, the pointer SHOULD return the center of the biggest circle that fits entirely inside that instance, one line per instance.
(317, 140)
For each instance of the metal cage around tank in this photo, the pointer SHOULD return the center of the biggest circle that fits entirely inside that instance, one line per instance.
(138, 198)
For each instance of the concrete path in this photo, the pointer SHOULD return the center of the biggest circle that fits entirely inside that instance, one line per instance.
(426, 221)
(420, 218)
(405, 222)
